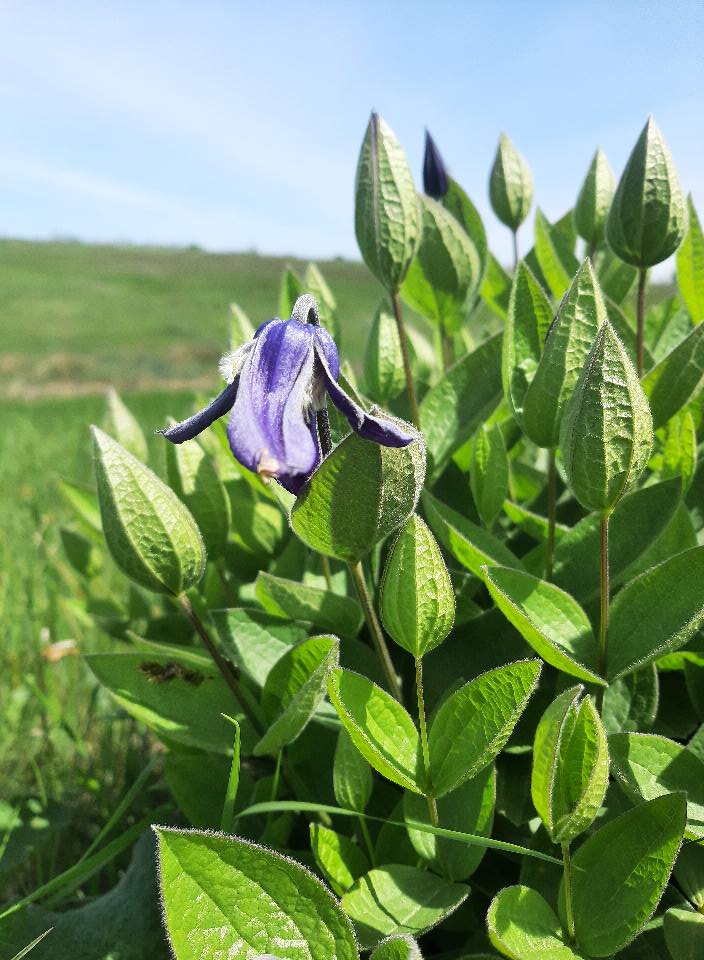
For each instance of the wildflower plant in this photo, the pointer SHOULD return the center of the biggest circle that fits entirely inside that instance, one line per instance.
(427, 661)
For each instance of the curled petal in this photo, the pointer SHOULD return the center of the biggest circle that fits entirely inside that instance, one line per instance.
(190, 428)
(272, 428)
(386, 432)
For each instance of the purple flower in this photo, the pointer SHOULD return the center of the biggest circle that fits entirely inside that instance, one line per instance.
(435, 177)
(277, 387)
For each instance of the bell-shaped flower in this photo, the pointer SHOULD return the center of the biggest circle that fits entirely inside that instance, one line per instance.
(436, 179)
(277, 385)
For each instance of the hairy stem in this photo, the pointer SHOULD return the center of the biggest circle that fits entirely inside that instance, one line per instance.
(604, 617)
(640, 331)
(569, 913)
(325, 564)
(514, 234)
(432, 805)
(552, 510)
(403, 337)
(377, 635)
(225, 668)
(367, 840)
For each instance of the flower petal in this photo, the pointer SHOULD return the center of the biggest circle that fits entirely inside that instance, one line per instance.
(386, 432)
(272, 429)
(190, 428)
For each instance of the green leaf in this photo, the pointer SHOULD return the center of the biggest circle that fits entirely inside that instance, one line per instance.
(689, 873)
(121, 424)
(193, 478)
(555, 255)
(339, 859)
(352, 778)
(496, 288)
(463, 210)
(358, 495)
(527, 323)
(510, 185)
(466, 395)
(471, 545)
(384, 375)
(616, 278)
(400, 947)
(679, 449)
(397, 900)
(152, 537)
(379, 727)
(656, 613)
(84, 504)
(570, 337)
(631, 702)
(227, 897)
(550, 620)
(636, 523)
(667, 323)
(620, 873)
(255, 641)
(648, 217)
(294, 689)
(30, 946)
(607, 431)
(386, 217)
(417, 600)
(317, 286)
(241, 329)
(684, 934)
(444, 276)
(523, 926)
(83, 555)
(594, 199)
(300, 601)
(468, 809)
(647, 766)
(690, 265)
(488, 473)
(473, 724)
(546, 754)
(184, 706)
(289, 291)
(679, 377)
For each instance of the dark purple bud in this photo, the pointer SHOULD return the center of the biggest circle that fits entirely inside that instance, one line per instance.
(435, 177)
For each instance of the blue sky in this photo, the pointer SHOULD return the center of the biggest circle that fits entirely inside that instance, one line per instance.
(237, 125)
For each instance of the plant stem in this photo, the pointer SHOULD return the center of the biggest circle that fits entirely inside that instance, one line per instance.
(367, 840)
(640, 332)
(325, 564)
(604, 618)
(375, 630)
(448, 350)
(568, 890)
(226, 671)
(552, 510)
(592, 251)
(403, 337)
(514, 234)
(432, 805)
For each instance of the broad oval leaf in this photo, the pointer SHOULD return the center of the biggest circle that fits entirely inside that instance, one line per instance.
(648, 217)
(555, 254)
(631, 701)
(293, 690)
(339, 859)
(594, 200)
(546, 752)
(523, 926)
(444, 276)
(569, 340)
(510, 185)
(684, 934)
(463, 210)
(122, 424)
(384, 375)
(379, 727)
(358, 495)
(352, 778)
(647, 766)
(466, 395)
(620, 873)
(224, 897)
(194, 479)
(386, 215)
(488, 473)
(550, 620)
(473, 723)
(528, 320)
(151, 535)
(301, 601)
(398, 947)
(607, 431)
(397, 899)
(255, 641)
(417, 599)
(656, 613)
(678, 377)
(690, 265)
(473, 546)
